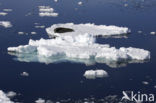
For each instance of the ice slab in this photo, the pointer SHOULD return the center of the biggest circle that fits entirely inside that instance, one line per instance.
(81, 29)
(80, 48)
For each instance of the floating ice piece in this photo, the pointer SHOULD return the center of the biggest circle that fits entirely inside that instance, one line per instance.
(47, 11)
(40, 100)
(80, 48)
(93, 74)
(5, 24)
(3, 13)
(55, 0)
(11, 94)
(33, 33)
(25, 74)
(21, 33)
(4, 98)
(153, 33)
(81, 29)
(80, 3)
(145, 82)
(40, 26)
(7, 10)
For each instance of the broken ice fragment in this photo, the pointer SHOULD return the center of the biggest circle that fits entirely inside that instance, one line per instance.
(5, 24)
(93, 74)
(47, 11)
(25, 74)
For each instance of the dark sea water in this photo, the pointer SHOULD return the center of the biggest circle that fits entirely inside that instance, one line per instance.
(62, 81)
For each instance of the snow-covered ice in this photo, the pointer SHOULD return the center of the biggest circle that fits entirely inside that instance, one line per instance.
(81, 29)
(6, 24)
(93, 74)
(47, 11)
(80, 48)
(4, 98)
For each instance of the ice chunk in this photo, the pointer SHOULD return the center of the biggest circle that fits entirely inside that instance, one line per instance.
(81, 29)
(4, 98)
(11, 94)
(47, 11)
(81, 48)
(5, 24)
(33, 33)
(153, 33)
(40, 100)
(80, 3)
(93, 74)
(55, 0)
(25, 74)
(3, 13)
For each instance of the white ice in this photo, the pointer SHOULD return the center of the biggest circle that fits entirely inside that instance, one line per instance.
(80, 48)
(3, 13)
(5, 24)
(4, 98)
(81, 29)
(47, 11)
(93, 74)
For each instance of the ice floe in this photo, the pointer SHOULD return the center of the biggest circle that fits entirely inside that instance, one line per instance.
(93, 74)
(6, 24)
(81, 29)
(80, 48)
(47, 11)
(4, 98)
(3, 13)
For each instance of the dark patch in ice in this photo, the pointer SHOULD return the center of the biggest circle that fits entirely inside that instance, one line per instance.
(63, 30)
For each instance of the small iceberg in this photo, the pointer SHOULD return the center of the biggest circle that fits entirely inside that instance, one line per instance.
(93, 74)
(80, 49)
(92, 29)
